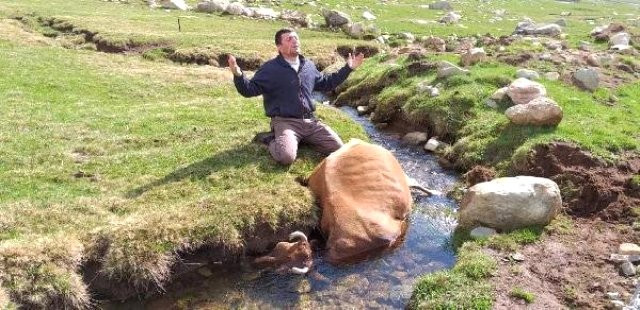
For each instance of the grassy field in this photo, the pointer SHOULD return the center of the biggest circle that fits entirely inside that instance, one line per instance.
(116, 159)
(127, 162)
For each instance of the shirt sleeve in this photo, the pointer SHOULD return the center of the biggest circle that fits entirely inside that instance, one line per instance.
(328, 82)
(254, 87)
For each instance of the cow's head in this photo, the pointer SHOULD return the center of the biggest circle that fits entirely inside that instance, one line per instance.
(294, 256)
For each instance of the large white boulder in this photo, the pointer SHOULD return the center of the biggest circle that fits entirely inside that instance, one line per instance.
(522, 90)
(511, 203)
(539, 112)
(173, 4)
(620, 38)
(212, 6)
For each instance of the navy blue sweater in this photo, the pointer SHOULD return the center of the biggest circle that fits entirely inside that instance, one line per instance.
(287, 93)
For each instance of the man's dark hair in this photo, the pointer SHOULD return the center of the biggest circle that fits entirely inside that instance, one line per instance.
(280, 33)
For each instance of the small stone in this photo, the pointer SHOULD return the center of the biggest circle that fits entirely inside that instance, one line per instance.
(432, 145)
(499, 94)
(415, 138)
(517, 257)
(527, 74)
(618, 258)
(587, 78)
(617, 304)
(482, 232)
(613, 295)
(447, 69)
(205, 272)
(368, 15)
(629, 249)
(362, 109)
(552, 76)
(628, 269)
(491, 103)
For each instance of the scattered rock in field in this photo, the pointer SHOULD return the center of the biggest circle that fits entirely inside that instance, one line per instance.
(362, 109)
(473, 56)
(527, 74)
(407, 36)
(603, 33)
(441, 5)
(499, 94)
(587, 78)
(447, 69)
(235, 8)
(627, 269)
(522, 90)
(618, 258)
(354, 30)
(528, 27)
(553, 45)
(621, 38)
(617, 304)
(335, 18)
(450, 18)
(432, 145)
(262, 13)
(552, 76)
(491, 103)
(415, 138)
(296, 18)
(173, 4)
(561, 22)
(482, 232)
(212, 6)
(424, 87)
(629, 249)
(511, 203)
(518, 257)
(584, 46)
(541, 111)
(613, 295)
(434, 43)
(368, 16)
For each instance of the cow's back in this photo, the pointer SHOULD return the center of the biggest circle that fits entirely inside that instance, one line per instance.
(364, 196)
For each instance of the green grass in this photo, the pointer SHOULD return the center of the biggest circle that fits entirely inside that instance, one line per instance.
(482, 135)
(125, 161)
(522, 294)
(466, 286)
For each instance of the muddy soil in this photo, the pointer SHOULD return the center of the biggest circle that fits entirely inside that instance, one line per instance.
(591, 188)
(568, 269)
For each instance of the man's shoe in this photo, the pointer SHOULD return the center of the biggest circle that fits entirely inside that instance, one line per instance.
(264, 138)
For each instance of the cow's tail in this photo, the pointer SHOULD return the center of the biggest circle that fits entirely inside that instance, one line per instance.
(413, 184)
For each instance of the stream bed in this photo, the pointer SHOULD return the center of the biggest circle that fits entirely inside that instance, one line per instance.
(383, 282)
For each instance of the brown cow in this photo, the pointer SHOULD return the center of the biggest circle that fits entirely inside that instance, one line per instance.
(292, 256)
(365, 199)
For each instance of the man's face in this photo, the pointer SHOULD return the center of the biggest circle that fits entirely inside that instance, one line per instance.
(289, 44)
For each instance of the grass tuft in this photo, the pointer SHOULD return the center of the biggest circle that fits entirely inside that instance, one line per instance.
(522, 294)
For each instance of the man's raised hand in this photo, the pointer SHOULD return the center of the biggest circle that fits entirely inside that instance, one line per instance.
(233, 66)
(355, 62)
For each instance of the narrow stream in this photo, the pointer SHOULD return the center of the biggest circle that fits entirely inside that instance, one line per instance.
(384, 282)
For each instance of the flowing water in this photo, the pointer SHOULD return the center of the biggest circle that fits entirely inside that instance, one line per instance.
(383, 282)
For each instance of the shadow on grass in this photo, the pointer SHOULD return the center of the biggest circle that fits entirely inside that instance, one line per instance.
(247, 154)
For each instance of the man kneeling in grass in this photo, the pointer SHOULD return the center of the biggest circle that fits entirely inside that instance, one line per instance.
(286, 83)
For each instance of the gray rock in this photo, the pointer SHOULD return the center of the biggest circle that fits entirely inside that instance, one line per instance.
(407, 36)
(434, 43)
(447, 69)
(173, 4)
(523, 90)
(297, 18)
(587, 78)
(527, 74)
(432, 145)
(629, 249)
(415, 138)
(440, 5)
(482, 232)
(561, 22)
(499, 94)
(617, 304)
(627, 269)
(528, 27)
(491, 103)
(552, 76)
(335, 18)
(613, 295)
(212, 6)
(618, 258)
(473, 56)
(450, 18)
(235, 8)
(517, 257)
(511, 203)
(540, 111)
(362, 109)
(355, 30)
(368, 15)
(263, 13)
(620, 38)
